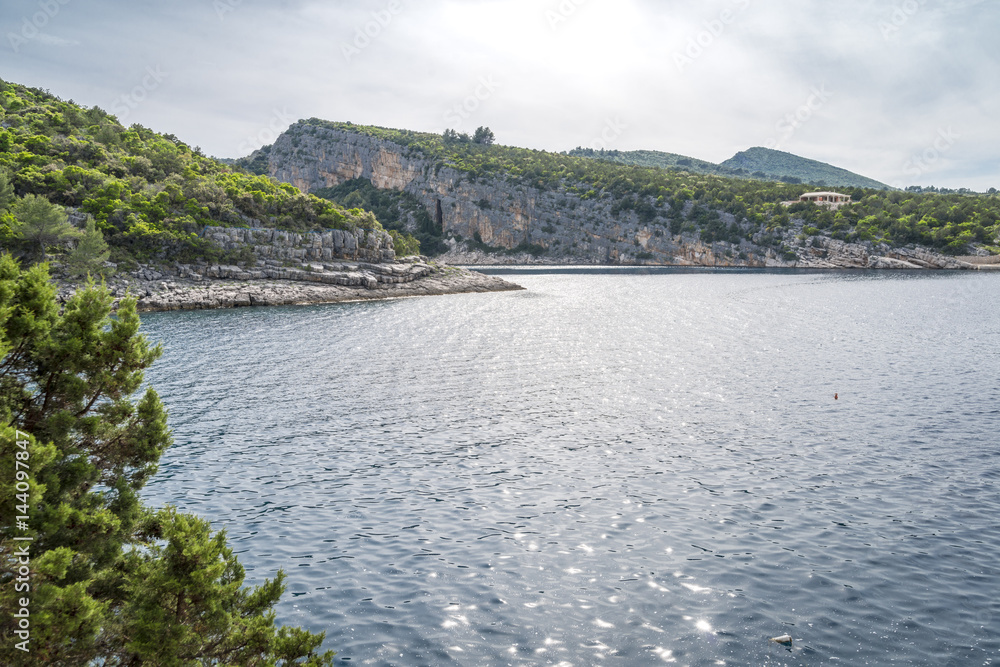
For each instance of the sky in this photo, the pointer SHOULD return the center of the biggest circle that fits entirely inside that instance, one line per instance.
(902, 91)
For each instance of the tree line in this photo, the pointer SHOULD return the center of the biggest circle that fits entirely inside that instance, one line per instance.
(952, 222)
(149, 194)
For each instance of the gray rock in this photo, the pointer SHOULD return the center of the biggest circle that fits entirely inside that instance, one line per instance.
(573, 225)
(275, 245)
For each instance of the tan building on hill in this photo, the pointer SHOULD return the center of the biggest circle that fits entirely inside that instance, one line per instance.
(830, 200)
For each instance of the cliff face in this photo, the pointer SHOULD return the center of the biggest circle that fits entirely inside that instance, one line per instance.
(502, 215)
(556, 226)
(274, 244)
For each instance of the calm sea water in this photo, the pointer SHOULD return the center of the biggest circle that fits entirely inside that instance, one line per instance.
(609, 468)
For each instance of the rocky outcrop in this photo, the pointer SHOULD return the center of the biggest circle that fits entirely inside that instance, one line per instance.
(276, 244)
(982, 262)
(186, 294)
(496, 212)
(291, 268)
(187, 287)
(369, 276)
(826, 253)
(502, 220)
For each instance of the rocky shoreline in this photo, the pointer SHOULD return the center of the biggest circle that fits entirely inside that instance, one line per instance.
(814, 253)
(282, 283)
(214, 287)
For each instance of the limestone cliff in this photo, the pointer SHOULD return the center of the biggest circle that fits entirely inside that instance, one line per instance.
(500, 215)
(494, 219)
(275, 244)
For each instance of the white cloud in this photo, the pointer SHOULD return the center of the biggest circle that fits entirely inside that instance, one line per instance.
(563, 70)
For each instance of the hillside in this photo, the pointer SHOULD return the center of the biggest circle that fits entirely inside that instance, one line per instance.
(150, 195)
(658, 159)
(500, 203)
(778, 165)
(756, 163)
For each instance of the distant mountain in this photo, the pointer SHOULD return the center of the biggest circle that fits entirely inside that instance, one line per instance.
(762, 164)
(653, 159)
(775, 165)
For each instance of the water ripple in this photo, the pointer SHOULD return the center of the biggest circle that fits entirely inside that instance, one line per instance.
(628, 468)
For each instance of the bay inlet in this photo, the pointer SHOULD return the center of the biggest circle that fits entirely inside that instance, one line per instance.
(623, 467)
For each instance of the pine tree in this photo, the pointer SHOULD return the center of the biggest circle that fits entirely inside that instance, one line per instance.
(404, 244)
(90, 253)
(6, 192)
(484, 136)
(42, 224)
(111, 582)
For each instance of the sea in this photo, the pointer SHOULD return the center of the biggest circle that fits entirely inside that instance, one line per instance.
(611, 467)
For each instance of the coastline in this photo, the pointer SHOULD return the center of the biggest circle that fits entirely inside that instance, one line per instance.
(818, 253)
(202, 287)
(217, 294)
(236, 289)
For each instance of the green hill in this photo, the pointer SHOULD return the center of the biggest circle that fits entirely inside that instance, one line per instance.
(150, 194)
(781, 166)
(706, 206)
(760, 164)
(657, 159)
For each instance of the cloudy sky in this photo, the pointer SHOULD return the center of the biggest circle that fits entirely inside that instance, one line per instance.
(904, 91)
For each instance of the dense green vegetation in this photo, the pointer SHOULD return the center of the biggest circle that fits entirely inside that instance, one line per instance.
(38, 223)
(482, 135)
(766, 163)
(760, 164)
(397, 211)
(953, 223)
(150, 195)
(656, 159)
(106, 580)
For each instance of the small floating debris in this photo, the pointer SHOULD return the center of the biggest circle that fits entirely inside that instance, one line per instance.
(784, 640)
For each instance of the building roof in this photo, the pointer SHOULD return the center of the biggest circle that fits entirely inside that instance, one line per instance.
(824, 194)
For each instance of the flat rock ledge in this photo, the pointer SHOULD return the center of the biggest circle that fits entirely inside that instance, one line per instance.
(202, 292)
